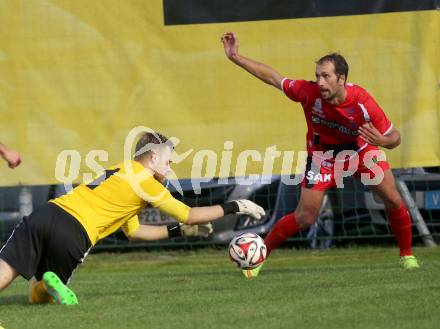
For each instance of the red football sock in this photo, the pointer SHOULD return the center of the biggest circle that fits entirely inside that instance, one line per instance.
(400, 223)
(283, 229)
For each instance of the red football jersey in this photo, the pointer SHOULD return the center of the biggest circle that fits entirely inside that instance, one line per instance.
(336, 124)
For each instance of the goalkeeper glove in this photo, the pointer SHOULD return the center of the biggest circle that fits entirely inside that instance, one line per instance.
(243, 207)
(201, 230)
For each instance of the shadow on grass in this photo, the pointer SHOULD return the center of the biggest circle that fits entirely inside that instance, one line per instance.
(268, 269)
(14, 300)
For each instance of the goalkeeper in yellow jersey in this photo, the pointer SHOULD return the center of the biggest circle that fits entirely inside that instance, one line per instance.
(48, 245)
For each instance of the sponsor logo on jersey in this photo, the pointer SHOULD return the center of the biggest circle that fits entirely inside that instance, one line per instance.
(334, 125)
(322, 178)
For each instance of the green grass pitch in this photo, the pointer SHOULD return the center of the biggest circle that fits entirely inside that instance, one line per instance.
(345, 288)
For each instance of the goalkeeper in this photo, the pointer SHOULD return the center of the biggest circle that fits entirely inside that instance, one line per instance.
(47, 246)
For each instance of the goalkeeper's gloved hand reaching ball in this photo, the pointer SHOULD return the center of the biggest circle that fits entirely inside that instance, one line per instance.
(239, 207)
(244, 207)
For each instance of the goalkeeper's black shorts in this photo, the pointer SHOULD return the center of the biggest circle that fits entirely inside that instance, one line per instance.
(49, 239)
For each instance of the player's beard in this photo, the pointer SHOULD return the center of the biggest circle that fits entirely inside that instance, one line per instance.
(327, 95)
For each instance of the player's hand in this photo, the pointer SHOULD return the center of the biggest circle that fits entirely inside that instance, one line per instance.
(371, 135)
(230, 44)
(12, 158)
(247, 207)
(201, 230)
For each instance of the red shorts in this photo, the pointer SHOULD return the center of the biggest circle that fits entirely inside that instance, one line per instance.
(322, 174)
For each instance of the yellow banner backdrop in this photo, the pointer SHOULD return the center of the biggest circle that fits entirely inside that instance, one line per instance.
(79, 75)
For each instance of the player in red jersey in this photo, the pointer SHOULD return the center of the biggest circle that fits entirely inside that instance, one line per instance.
(345, 122)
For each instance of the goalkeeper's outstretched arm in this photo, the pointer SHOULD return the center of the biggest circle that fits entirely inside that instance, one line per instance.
(203, 215)
(161, 232)
(150, 233)
(260, 70)
(196, 221)
(199, 215)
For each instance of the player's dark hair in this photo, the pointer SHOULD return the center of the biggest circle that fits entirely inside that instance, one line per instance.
(339, 62)
(147, 143)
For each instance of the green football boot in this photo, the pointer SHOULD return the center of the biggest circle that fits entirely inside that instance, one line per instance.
(58, 290)
(409, 262)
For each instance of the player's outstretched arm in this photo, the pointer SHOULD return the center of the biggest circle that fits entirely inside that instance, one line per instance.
(204, 215)
(196, 222)
(260, 70)
(160, 232)
(201, 215)
(11, 157)
(150, 233)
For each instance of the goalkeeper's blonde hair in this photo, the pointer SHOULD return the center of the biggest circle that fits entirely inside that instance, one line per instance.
(148, 142)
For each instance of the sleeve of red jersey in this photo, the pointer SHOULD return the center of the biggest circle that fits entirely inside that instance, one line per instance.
(296, 90)
(373, 113)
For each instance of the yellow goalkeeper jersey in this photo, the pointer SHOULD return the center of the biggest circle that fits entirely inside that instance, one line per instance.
(114, 199)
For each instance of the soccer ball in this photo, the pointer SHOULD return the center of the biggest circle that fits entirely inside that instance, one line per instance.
(247, 250)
